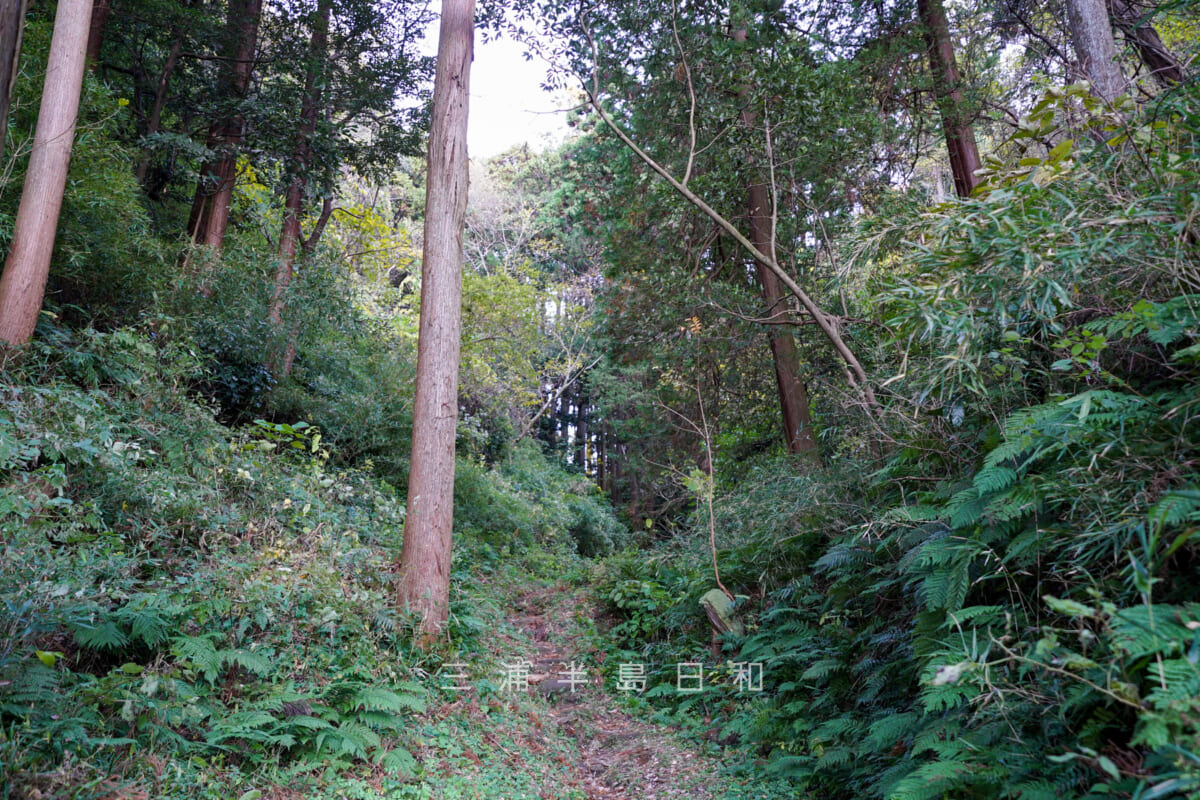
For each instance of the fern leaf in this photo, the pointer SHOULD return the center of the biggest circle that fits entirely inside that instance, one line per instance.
(247, 660)
(891, 729)
(374, 698)
(822, 669)
(106, 636)
(397, 760)
(931, 781)
(1175, 507)
(1037, 790)
(200, 651)
(994, 478)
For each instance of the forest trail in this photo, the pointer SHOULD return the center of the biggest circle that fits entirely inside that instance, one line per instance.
(621, 757)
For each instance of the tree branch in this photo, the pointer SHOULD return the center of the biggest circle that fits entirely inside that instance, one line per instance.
(827, 322)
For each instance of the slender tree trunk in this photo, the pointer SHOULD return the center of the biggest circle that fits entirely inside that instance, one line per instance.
(793, 397)
(293, 207)
(829, 324)
(214, 194)
(960, 136)
(1092, 37)
(160, 100)
(12, 25)
(96, 27)
(1161, 62)
(425, 558)
(23, 284)
(581, 427)
(602, 457)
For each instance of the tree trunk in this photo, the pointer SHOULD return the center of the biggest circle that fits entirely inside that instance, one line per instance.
(960, 136)
(23, 284)
(1092, 37)
(12, 25)
(96, 26)
(425, 559)
(209, 218)
(1134, 23)
(602, 457)
(293, 205)
(793, 397)
(160, 100)
(829, 324)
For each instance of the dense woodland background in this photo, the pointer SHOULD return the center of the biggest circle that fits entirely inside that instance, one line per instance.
(937, 437)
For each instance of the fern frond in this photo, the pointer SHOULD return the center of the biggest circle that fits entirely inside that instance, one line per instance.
(888, 731)
(1174, 508)
(397, 760)
(247, 660)
(931, 781)
(994, 478)
(106, 635)
(822, 669)
(200, 651)
(373, 698)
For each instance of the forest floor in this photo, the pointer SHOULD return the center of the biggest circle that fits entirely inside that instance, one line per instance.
(546, 727)
(620, 756)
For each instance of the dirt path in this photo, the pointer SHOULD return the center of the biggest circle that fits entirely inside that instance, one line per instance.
(621, 757)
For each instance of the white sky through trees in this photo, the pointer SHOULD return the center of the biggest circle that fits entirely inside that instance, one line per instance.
(508, 106)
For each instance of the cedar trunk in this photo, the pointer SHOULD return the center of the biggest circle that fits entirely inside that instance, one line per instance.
(12, 24)
(293, 206)
(160, 100)
(960, 136)
(425, 559)
(1092, 37)
(214, 195)
(96, 26)
(793, 396)
(23, 284)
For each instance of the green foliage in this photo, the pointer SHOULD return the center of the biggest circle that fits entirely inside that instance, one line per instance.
(1005, 605)
(530, 500)
(175, 589)
(106, 266)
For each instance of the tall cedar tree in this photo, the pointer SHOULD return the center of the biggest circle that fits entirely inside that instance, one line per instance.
(1132, 20)
(793, 396)
(23, 284)
(214, 194)
(293, 207)
(425, 558)
(960, 136)
(12, 23)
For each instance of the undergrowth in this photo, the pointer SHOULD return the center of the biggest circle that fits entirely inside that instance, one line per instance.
(1005, 604)
(192, 610)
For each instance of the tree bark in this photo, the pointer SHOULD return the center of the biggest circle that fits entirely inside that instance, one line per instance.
(23, 284)
(209, 218)
(160, 100)
(793, 396)
(293, 206)
(425, 559)
(1161, 62)
(960, 136)
(96, 27)
(12, 25)
(1092, 37)
(581, 426)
